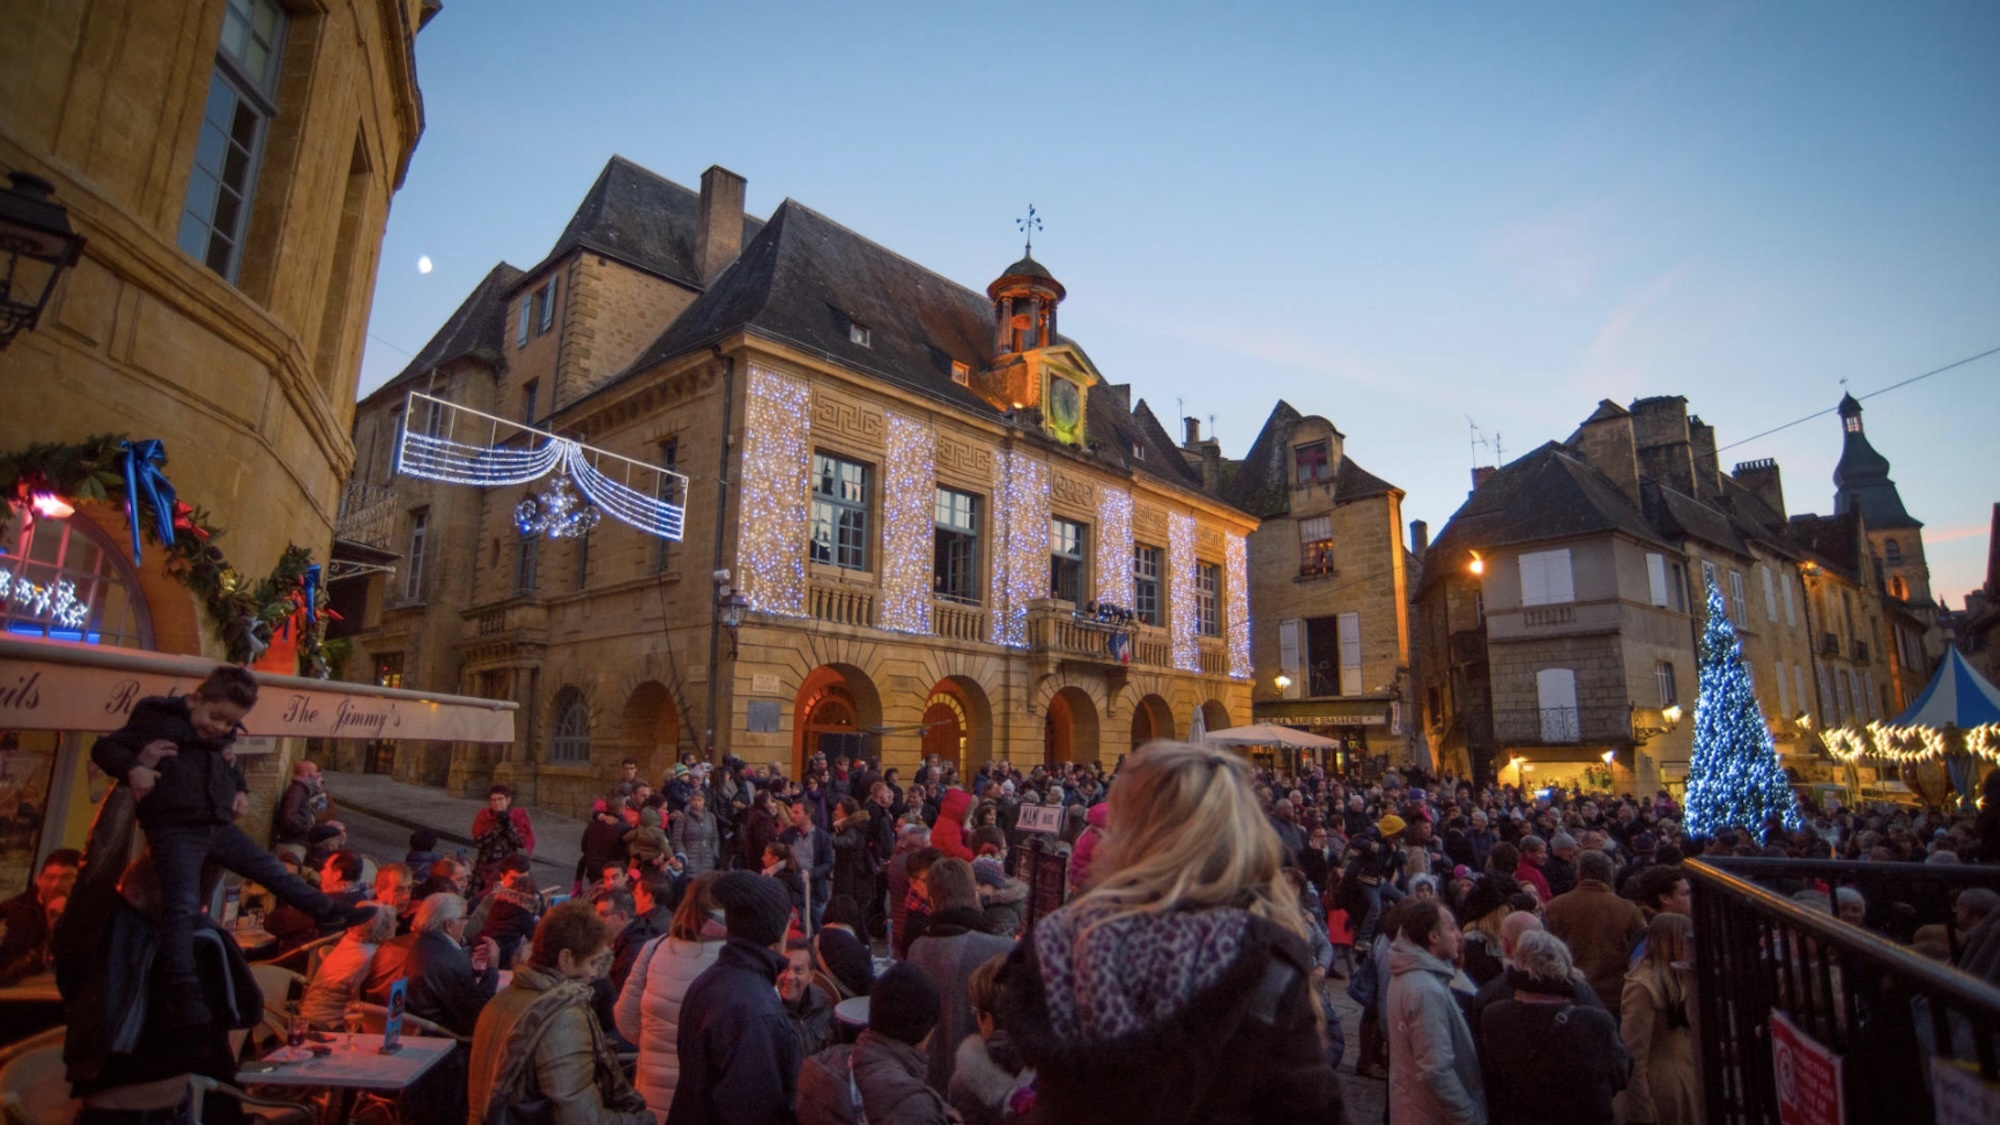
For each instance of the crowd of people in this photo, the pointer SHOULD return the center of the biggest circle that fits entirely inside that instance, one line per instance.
(1514, 954)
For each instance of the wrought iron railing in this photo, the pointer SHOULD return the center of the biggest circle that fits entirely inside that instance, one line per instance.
(1889, 1016)
(1562, 725)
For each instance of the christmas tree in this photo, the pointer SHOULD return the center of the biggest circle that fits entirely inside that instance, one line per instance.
(1733, 780)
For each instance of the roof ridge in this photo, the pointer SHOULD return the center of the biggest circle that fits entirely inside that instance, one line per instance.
(980, 294)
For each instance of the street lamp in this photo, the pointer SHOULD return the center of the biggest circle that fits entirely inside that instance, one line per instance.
(36, 245)
(1283, 682)
(1478, 565)
(729, 607)
(1670, 717)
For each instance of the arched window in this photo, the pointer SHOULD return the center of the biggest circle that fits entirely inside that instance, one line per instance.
(67, 580)
(1893, 550)
(572, 734)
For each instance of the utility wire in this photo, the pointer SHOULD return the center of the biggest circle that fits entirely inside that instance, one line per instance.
(1869, 395)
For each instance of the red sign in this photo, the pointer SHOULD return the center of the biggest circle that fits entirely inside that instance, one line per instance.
(1807, 1076)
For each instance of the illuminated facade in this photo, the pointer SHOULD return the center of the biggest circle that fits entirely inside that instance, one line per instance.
(952, 534)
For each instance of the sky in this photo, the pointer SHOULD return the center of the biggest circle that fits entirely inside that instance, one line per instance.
(1433, 224)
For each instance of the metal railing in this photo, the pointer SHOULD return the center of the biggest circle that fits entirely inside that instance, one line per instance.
(1883, 1010)
(1562, 725)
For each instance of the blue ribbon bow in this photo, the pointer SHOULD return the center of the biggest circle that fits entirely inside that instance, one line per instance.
(312, 593)
(145, 481)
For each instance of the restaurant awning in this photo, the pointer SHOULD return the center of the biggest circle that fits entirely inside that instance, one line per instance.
(1325, 712)
(67, 686)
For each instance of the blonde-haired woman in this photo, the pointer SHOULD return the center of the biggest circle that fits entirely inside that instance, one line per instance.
(649, 1009)
(1178, 987)
(1657, 1024)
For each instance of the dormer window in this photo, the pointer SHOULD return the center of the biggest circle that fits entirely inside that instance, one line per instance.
(1310, 464)
(857, 333)
(1138, 451)
(961, 374)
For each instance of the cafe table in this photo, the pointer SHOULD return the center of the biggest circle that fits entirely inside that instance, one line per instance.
(356, 1064)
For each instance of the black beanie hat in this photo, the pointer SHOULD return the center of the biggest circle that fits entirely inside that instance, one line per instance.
(903, 1004)
(755, 908)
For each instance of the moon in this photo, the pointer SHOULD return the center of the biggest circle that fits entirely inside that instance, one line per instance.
(424, 264)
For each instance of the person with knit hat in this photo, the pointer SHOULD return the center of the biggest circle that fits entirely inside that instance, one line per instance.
(739, 1061)
(884, 1069)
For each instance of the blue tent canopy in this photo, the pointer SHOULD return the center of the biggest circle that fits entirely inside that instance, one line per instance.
(1957, 696)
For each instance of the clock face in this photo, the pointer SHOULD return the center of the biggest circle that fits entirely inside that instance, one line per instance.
(1063, 404)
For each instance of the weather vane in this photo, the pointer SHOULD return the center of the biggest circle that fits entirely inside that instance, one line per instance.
(1029, 226)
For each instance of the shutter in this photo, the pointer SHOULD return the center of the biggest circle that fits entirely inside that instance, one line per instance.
(1350, 654)
(1770, 594)
(527, 313)
(1534, 580)
(1799, 686)
(1288, 656)
(1784, 695)
(1656, 577)
(1562, 586)
(1868, 680)
(1791, 602)
(1555, 691)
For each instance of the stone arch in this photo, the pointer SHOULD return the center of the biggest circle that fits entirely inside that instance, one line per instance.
(1216, 714)
(837, 710)
(1151, 718)
(1070, 727)
(649, 727)
(570, 723)
(958, 723)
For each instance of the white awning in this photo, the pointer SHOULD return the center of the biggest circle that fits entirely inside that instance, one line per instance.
(63, 685)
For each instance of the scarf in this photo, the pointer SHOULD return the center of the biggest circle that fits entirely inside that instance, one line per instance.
(515, 1081)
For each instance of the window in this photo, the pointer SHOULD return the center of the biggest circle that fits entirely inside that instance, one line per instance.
(1479, 608)
(1316, 545)
(582, 559)
(1894, 551)
(1555, 694)
(1066, 547)
(572, 735)
(1656, 577)
(389, 670)
(413, 579)
(857, 333)
(1288, 657)
(961, 374)
(1784, 694)
(1791, 600)
(1677, 584)
(670, 456)
(840, 513)
(1207, 596)
(1828, 711)
(1545, 578)
(1146, 583)
(1707, 578)
(527, 318)
(1350, 654)
(1770, 594)
(545, 303)
(66, 580)
(1310, 464)
(1736, 607)
(527, 560)
(528, 395)
(1333, 655)
(1799, 687)
(241, 103)
(1663, 678)
(955, 563)
(435, 417)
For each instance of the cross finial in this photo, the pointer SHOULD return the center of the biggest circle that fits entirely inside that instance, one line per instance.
(1028, 227)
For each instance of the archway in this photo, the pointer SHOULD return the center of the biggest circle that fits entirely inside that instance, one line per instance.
(836, 709)
(958, 723)
(650, 730)
(1069, 733)
(1152, 718)
(1215, 716)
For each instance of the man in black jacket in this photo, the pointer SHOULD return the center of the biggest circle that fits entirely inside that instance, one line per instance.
(444, 986)
(297, 809)
(739, 1061)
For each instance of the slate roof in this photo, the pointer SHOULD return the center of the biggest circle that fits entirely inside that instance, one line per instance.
(1549, 493)
(805, 280)
(1861, 479)
(1680, 515)
(1833, 540)
(476, 329)
(640, 218)
(1261, 485)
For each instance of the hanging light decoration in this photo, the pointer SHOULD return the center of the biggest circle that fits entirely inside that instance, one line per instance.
(1236, 561)
(559, 513)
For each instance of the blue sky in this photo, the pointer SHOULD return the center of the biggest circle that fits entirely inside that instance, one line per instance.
(1395, 216)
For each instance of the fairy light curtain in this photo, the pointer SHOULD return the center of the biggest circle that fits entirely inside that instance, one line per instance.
(459, 445)
(909, 514)
(1114, 547)
(776, 491)
(1180, 592)
(1236, 567)
(1020, 543)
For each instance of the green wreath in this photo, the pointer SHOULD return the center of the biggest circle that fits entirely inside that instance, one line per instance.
(245, 613)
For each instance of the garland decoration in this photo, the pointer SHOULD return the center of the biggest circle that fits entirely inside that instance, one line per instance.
(246, 613)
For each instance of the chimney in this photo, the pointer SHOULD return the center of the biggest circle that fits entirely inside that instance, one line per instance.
(1666, 451)
(1761, 477)
(1192, 428)
(1211, 465)
(1707, 467)
(1481, 474)
(1420, 537)
(1605, 443)
(718, 232)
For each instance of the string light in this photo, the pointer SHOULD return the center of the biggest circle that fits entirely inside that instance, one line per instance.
(1733, 779)
(1114, 546)
(56, 601)
(909, 520)
(1236, 563)
(558, 513)
(1180, 591)
(776, 494)
(1020, 543)
(1905, 745)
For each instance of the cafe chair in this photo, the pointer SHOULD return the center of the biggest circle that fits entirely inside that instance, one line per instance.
(34, 1088)
(370, 1019)
(264, 1111)
(300, 959)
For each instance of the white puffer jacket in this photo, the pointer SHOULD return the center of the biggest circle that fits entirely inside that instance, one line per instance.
(649, 1012)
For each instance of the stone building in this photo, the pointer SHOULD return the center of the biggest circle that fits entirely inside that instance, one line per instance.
(1329, 581)
(230, 165)
(1559, 610)
(951, 533)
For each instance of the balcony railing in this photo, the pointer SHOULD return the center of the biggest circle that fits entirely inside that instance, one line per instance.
(957, 621)
(367, 515)
(1555, 726)
(840, 605)
(1544, 616)
(528, 617)
(1860, 650)
(1829, 645)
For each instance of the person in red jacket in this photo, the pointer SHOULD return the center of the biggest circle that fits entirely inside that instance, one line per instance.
(1534, 853)
(948, 834)
(499, 831)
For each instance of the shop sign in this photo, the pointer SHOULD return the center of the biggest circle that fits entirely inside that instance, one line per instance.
(1807, 1075)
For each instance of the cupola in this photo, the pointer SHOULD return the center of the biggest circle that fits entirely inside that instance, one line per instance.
(1024, 298)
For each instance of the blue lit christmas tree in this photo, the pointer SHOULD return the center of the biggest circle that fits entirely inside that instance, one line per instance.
(1733, 780)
